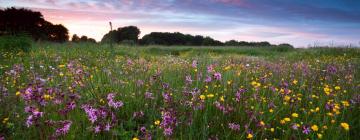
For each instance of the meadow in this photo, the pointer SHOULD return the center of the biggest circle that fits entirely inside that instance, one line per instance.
(92, 91)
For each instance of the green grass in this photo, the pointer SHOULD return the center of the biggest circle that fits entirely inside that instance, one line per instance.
(92, 71)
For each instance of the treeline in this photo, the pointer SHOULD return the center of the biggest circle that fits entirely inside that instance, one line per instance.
(15, 21)
(21, 21)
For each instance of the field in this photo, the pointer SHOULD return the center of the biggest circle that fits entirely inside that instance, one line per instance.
(89, 91)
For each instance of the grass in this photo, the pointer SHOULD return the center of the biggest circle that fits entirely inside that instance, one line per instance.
(259, 91)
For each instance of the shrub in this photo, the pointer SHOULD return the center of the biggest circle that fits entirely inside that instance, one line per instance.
(15, 43)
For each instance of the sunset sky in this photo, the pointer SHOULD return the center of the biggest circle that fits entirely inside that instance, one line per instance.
(298, 22)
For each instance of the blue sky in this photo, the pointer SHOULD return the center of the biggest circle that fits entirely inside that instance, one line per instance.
(298, 22)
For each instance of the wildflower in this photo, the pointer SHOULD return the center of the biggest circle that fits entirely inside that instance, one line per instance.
(287, 119)
(295, 82)
(157, 122)
(315, 127)
(210, 95)
(5, 120)
(135, 138)
(345, 103)
(61, 66)
(319, 135)
(282, 122)
(149, 95)
(249, 136)
(272, 129)
(262, 123)
(208, 79)
(168, 131)
(202, 97)
(327, 90)
(217, 76)
(234, 126)
(295, 126)
(222, 98)
(17, 93)
(65, 129)
(306, 129)
(345, 126)
(271, 110)
(295, 115)
(337, 88)
(112, 103)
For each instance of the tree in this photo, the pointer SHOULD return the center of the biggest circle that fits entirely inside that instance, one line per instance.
(231, 43)
(15, 21)
(129, 33)
(75, 38)
(57, 33)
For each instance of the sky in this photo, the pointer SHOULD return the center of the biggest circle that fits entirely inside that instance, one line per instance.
(301, 23)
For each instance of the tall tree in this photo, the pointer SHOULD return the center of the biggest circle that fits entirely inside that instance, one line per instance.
(130, 33)
(75, 38)
(16, 21)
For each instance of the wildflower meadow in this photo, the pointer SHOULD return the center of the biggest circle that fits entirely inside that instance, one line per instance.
(87, 91)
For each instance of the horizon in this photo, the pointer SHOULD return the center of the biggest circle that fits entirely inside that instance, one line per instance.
(300, 23)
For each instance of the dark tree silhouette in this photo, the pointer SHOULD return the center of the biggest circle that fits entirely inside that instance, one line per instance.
(18, 21)
(128, 33)
(75, 38)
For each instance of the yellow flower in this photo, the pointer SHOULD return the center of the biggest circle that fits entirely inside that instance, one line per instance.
(287, 98)
(295, 82)
(271, 110)
(345, 126)
(337, 88)
(210, 95)
(5, 120)
(222, 98)
(47, 97)
(61, 66)
(287, 119)
(262, 123)
(315, 127)
(295, 115)
(282, 122)
(327, 90)
(249, 136)
(17, 93)
(135, 138)
(272, 129)
(229, 82)
(319, 136)
(157, 122)
(102, 101)
(345, 103)
(202, 97)
(61, 74)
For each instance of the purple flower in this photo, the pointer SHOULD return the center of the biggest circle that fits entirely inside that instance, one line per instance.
(166, 97)
(234, 126)
(90, 112)
(194, 63)
(65, 129)
(217, 76)
(208, 79)
(306, 129)
(210, 68)
(168, 131)
(113, 103)
(97, 129)
(149, 95)
(188, 79)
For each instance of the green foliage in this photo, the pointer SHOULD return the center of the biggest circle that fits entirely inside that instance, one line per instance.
(15, 43)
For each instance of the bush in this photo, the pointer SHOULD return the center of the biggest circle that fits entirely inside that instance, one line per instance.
(15, 43)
